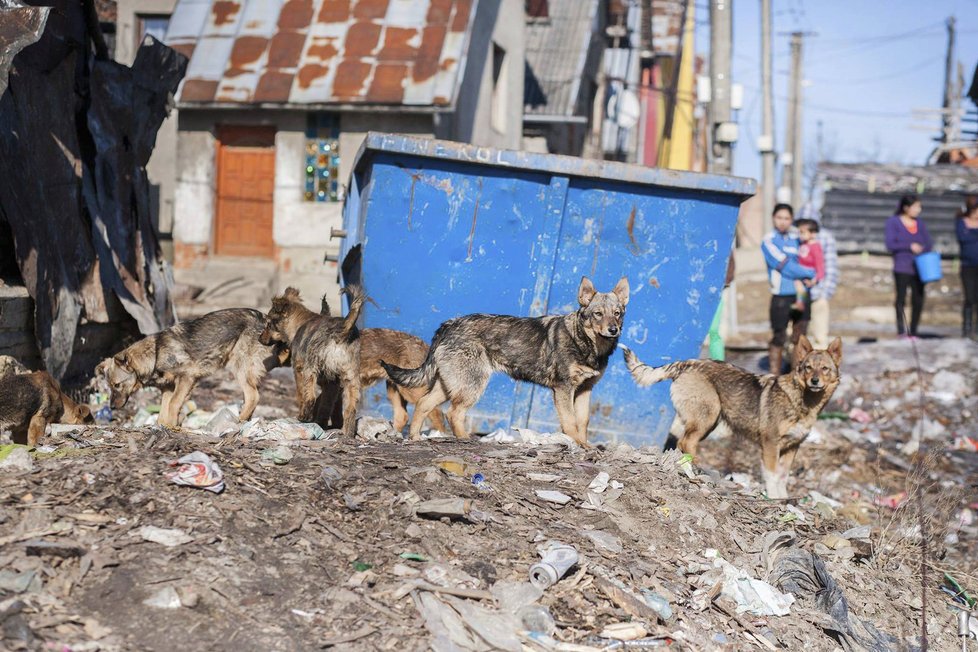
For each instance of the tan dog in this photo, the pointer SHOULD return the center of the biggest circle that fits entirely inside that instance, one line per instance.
(29, 402)
(177, 358)
(777, 412)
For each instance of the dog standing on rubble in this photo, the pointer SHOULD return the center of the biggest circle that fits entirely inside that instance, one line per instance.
(324, 349)
(567, 353)
(777, 412)
(401, 349)
(29, 402)
(177, 358)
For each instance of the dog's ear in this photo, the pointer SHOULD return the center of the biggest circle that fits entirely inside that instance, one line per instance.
(102, 368)
(85, 414)
(621, 290)
(585, 292)
(835, 350)
(324, 308)
(803, 348)
(290, 293)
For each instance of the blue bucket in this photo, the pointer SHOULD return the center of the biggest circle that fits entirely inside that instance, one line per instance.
(929, 266)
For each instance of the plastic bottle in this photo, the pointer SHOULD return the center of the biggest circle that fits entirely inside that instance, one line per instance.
(557, 560)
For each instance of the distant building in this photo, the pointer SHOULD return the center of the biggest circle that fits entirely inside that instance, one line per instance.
(613, 79)
(278, 97)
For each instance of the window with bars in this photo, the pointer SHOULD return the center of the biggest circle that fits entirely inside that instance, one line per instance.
(322, 158)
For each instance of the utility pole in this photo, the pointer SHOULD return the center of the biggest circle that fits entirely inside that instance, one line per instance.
(724, 132)
(952, 130)
(794, 165)
(766, 141)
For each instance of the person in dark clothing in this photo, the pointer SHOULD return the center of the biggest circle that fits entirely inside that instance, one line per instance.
(967, 230)
(906, 237)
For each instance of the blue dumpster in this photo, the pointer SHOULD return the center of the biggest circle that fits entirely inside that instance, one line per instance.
(438, 229)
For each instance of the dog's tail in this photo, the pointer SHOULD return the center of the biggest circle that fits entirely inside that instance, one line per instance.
(423, 376)
(357, 299)
(645, 375)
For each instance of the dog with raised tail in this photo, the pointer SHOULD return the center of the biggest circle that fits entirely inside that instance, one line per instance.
(566, 353)
(776, 412)
(324, 350)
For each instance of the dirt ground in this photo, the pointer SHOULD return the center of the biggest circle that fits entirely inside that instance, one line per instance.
(329, 550)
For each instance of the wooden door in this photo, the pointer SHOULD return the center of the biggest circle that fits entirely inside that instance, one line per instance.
(245, 188)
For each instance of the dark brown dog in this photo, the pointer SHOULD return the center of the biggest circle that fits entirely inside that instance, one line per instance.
(31, 401)
(776, 412)
(323, 349)
(177, 358)
(566, 353)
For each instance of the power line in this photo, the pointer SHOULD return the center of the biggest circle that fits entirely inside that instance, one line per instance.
(868, 80)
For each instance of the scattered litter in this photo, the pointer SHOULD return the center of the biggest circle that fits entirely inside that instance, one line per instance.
(373, 429)
(624, 631)
(168, 538)
(456, 509)
(197, 470)
(860, 416)
(553, 496)
(454, 465)
(530, 438)
(165, 598)
(803, 574)
(893, 501)
(558, 558)
(537, 618)
(545, 477)
(599, 483)
(278, 455)
(15, 457)
(604, 541)
(282, 430)
(329, 477)
(751, 595)
(224, 422)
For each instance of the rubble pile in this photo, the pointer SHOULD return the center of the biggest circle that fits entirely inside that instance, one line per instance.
(116, 537)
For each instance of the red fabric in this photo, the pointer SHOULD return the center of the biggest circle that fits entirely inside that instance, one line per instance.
(810, 255)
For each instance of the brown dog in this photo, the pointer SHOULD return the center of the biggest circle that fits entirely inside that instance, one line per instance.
(565, 353)
(323, 348)
(31, 401)
(177, 358)
(777, 412)
(400, 348)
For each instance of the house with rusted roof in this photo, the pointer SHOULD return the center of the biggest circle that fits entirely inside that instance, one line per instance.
(279, 95)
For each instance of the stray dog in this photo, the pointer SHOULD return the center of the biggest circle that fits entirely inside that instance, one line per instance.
(567, 353)
(323, 349)
(777, 412)
(403, 350)
(32, 401)
(177, 358)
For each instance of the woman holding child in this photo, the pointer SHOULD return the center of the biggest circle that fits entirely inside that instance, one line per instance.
(906, 237)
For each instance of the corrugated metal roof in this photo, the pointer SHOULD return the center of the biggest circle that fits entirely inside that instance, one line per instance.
(896, 178)
(308, 52)
(556, 54)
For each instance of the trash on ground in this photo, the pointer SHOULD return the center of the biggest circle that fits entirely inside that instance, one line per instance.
(163, 536)
(557, 559)
(553, 496)
(278, 455)
(197, 470)
(282, 430)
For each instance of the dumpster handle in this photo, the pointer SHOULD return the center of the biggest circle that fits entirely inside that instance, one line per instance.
(336, 233)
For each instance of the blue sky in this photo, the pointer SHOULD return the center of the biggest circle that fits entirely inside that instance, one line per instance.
(869, 65)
